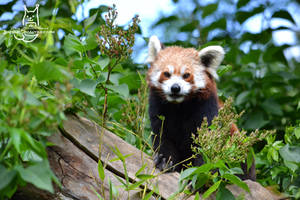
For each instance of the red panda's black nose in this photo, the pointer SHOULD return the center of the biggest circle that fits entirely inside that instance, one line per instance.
(175, 89)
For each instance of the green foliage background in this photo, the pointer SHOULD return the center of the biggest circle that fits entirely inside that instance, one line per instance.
(256, 72)
(42, 79)
(262, 80)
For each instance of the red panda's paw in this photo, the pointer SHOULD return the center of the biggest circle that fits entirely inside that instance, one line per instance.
(163, 163)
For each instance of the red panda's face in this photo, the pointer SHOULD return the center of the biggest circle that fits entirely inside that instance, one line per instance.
(179, 72)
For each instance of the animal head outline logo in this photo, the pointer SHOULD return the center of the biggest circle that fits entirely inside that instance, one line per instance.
(30, 23)
(31, 17)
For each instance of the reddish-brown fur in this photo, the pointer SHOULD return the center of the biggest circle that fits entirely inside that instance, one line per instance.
(182, 120)
(179, 57)
(188, 57)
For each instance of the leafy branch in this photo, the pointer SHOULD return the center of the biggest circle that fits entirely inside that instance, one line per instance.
(216, 142)
(116, 43)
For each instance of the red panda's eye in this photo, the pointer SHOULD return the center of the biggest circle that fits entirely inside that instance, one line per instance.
(186, 75)
(167, 74)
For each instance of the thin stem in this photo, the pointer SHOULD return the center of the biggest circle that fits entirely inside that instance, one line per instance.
(105, 98)
(104, 113)
(94, 71)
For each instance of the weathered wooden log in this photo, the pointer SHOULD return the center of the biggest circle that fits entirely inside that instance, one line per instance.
(85, 133)
(74, 157)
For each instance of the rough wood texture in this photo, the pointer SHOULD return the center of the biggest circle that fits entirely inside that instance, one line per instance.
(258, 192)
(74, 159)
(78, 172)
(86, 133)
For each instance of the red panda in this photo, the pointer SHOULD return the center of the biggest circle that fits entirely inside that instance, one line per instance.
(182, 88)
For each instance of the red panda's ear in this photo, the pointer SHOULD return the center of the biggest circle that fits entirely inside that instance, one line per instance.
(154, 47)
(211, 57)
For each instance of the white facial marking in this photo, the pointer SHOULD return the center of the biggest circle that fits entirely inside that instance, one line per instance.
(155, 77)
(182, 70)
(199, 79)
(185, 88)
(171, 69)
(178, 99)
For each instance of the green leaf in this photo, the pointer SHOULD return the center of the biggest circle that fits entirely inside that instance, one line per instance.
(272, 107)
(242, 16)
(120, 89)
(250, 158)
(49, 40)
(219, 24)
(290, 153)
(224, 194)
(88, 87)
(39, 174)
(30, 99)
(132, 80)
(47, 71)
(210, 190)
(101, 79)
(140, 170)
(89, 21)
(15, 135)
(181, 186)
(189, 27)
(169, 19)
(252, 56)
(242, 98)
(204, 168)
(221, 165)
(91, 42)
(213, 43)
(113, 192)
(284, 14)
(72, 43)
(255, 120)
(135, 185)
(186, 173)
(197, 196)
(121, 181)
(199, 180)
(118, 153)
(38, 147)
(297, 132)
(97, 194)
(242, 3)
(117, 158)
(2, 37)
(291, 165)
(161, 117)
(103, 62)
(223, 69)
(145, 176)
(101, 170)
(67, 24)
(30, 155)
(236, 170)
(237, 181)
(274, 154)
(148, 196)
(6, 176)
(209, 9)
